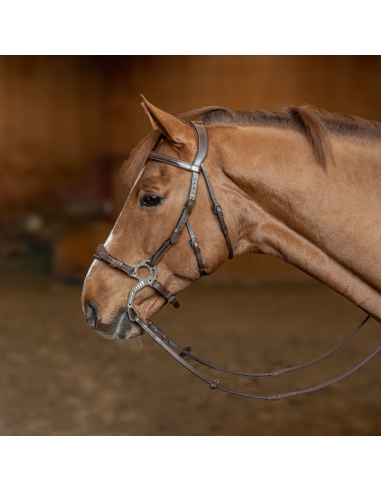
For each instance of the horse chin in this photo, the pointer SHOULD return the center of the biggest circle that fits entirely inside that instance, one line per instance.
(128, 329)
(123, 328)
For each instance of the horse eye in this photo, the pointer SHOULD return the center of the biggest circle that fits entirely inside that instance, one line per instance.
(150, 201)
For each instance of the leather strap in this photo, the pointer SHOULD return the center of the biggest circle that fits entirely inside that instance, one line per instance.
(288, 369)
(216, 207)
(196, 248)
(165, 293)
(202, 143)
(165, 159)
(165, 342)
(158, 255)
(302, 366)
(162, 340)
(183, 218)
(102, 254)
(202, 151)
(198, 162)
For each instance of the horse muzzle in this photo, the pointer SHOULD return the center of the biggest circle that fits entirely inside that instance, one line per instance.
(120, 326)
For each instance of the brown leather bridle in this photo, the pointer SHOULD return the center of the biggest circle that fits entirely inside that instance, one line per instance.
(152, 330)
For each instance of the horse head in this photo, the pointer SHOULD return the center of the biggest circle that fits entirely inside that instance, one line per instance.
(157, 197)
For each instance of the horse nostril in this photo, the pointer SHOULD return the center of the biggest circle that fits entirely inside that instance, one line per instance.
(92, 312)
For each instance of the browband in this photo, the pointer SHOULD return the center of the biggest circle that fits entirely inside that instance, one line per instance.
(155, 156)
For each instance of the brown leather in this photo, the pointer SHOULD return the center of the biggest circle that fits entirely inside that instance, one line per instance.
(102, 254)
(302, 366)
(176, 233)
(167, 343)
(166, 347)
(202, 143)
(183, 218)
(215, 384)
(331, 381)
(216, 207)
(160, 252)
(281, 371)
(196, 248)
(198, 162)
(218, 211)
(165, 159)
(165, 293)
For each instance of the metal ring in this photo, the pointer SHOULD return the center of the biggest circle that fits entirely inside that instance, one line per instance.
(142, 282)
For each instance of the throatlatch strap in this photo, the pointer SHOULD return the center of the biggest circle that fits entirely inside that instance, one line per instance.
(203, 141)
(196, 248)
(216, 207)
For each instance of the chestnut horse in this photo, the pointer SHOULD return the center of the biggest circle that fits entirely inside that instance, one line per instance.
(300, 184)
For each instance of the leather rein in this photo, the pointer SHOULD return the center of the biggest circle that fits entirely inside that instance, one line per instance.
(151, 329)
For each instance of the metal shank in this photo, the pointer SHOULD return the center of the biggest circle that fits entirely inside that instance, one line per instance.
(142, 282)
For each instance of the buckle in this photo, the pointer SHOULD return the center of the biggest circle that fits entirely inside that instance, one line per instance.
(193, 243)
(111, 264)
(215, 209)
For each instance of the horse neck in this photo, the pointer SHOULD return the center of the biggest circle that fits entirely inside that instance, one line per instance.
(325, 222)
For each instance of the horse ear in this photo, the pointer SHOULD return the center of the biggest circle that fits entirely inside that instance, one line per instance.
(176, 131)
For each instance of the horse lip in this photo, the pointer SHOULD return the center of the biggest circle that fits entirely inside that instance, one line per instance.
(111, 333)
(121, 332)
(126, 327)
(104, 334)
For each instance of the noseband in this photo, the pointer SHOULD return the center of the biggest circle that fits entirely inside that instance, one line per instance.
(151, 280)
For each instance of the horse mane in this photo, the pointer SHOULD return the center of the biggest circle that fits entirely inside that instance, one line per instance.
(315, 123)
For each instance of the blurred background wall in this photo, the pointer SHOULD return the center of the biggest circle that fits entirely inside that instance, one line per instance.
(67, 124)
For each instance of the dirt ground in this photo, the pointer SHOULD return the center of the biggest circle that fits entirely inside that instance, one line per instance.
(58, 377)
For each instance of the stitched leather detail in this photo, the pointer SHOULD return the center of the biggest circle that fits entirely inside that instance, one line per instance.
(196, 248)
(155, 156)
(102, 254)
(166, 293)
